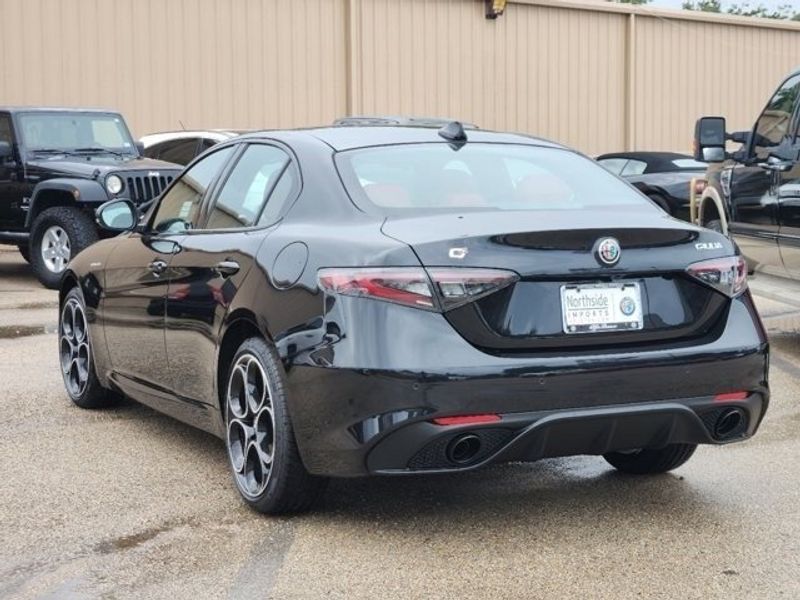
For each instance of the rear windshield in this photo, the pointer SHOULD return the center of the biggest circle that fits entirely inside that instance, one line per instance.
(479, 176)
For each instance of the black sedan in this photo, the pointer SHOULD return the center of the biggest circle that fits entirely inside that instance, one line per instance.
(393, 300)
(665, 177)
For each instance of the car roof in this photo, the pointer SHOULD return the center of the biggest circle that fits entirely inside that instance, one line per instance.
(351, 137)
(217, 134)
(73, 109)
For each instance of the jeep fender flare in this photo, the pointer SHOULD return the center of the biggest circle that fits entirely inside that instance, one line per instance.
(82, 191)
(709, 198)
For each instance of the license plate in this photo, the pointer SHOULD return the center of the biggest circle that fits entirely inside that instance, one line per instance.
(601, 307)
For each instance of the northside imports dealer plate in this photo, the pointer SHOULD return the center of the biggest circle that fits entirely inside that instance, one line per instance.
(601, 307)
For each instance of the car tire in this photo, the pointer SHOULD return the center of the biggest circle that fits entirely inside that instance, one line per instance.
(76, 356)
(661, 201)
(262, 451)
(67, 231)
(25, 251)
(714, 225)
(650, 461)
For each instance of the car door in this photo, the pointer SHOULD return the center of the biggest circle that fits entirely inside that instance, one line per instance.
(216, 259)
(785, 170)
(12, 181)
(754, 193)
(137, 275)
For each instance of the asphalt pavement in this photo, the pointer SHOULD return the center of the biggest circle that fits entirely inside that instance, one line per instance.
(126, 503)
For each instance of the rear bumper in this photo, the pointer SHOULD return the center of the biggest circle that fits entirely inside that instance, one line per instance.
(361, 401)
(425, 447)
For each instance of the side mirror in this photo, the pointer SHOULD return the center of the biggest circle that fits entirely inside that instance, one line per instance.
(117, 215)
(709, 139)
(139, 148)
(5, 151)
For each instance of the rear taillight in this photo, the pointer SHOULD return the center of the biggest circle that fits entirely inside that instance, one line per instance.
(456, 287)
(727, 275)
(699, 185)
(401, 285)
(438, 289)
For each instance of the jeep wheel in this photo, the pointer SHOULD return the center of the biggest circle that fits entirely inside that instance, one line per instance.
(59, 233)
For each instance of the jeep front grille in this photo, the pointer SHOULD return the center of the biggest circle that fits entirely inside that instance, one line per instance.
(143, 188)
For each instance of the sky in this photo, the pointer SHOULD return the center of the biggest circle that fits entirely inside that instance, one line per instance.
(754, 3)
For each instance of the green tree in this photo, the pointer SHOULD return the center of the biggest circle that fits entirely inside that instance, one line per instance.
(785, 11)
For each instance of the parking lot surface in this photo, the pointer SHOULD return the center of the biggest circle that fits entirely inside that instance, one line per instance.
(126, 503)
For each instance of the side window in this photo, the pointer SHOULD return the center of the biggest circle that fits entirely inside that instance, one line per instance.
(615, 165)
(286, 186)
(634, 167)
(180, 152)
(155, 150)
(773, 124)
(5, 129)
(242, 197)
(180, 206)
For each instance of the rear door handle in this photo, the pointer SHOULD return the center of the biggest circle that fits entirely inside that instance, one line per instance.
(226, 268)
(157, 267)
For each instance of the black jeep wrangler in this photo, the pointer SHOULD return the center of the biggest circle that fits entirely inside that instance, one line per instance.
(56, 167)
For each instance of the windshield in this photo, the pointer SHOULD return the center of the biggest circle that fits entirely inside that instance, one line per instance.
(479, 176)
(75, 131)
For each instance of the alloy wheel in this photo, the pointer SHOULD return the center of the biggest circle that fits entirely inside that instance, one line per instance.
(55, 248)
(251, 425)
(74, 351)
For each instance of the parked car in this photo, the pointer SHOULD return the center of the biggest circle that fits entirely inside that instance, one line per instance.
(181, 147)
(757, 197)
(353, 301)
(57, 165)
(665, 177)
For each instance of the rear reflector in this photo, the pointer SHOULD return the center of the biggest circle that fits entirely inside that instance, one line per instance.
(467, 419)
(731, 396)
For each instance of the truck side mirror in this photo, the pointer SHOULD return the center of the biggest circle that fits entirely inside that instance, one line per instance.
(140, 148)
(709, 139)
(5, 151)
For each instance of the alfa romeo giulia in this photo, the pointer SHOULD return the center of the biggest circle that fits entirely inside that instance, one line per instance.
(385, 300)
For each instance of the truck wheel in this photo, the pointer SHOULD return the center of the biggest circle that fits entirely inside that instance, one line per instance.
(58, 234)
(24, 250)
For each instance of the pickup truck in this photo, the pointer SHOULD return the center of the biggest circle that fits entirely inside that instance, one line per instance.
(754, 193)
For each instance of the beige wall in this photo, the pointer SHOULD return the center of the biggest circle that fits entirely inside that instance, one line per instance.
(598, 76)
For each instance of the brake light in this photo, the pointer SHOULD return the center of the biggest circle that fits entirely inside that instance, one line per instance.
(435, 289)
(401, 285)
(727, 275)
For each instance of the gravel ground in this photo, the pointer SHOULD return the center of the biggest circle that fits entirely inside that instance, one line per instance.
(126, 503)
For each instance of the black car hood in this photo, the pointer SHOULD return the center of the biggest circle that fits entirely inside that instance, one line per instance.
(87, 165)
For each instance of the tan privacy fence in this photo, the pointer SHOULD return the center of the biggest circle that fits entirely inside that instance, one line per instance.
(597, 76)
